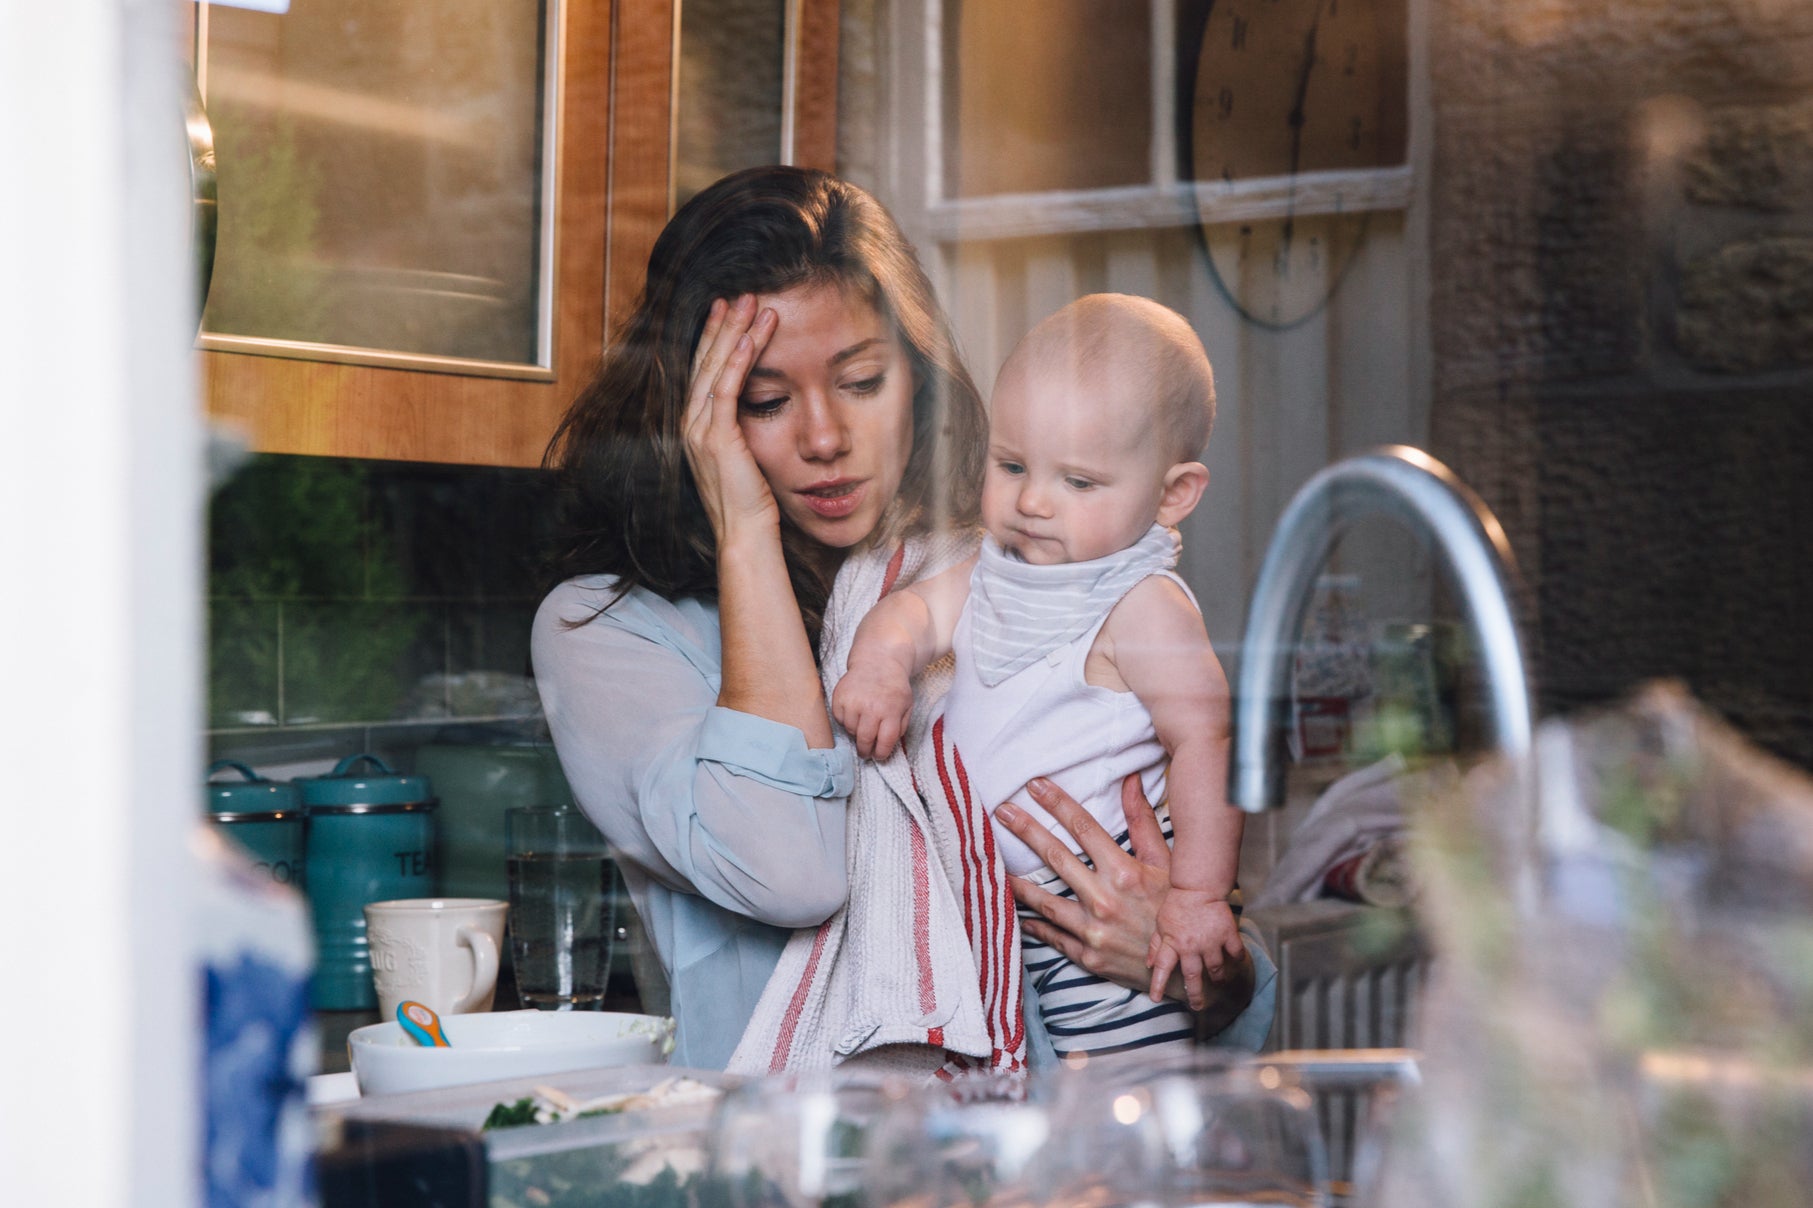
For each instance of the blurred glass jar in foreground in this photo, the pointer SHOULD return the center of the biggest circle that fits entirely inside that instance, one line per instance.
(255, 954)
(1621, 1010)
(981, 1141)
(793, 1141)
(1200, 1132)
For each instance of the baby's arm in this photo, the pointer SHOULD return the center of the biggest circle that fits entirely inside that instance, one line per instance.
(1162, 652)
(908, 629)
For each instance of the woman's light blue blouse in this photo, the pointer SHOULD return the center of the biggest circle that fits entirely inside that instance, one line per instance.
(729, 829)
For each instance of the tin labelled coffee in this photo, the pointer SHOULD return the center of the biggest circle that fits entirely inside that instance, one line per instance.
(263, 818)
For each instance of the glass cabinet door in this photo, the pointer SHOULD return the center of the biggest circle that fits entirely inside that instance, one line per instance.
(386, 181)
(730, 84)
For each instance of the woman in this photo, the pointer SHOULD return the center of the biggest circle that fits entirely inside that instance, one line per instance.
(785, 392)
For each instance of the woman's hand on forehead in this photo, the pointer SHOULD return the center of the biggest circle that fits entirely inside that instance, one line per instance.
(730, 483)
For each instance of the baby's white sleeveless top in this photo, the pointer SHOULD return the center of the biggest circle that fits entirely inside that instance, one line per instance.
(1047, 720)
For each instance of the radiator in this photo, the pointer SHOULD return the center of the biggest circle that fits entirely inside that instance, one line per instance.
(1349, 978)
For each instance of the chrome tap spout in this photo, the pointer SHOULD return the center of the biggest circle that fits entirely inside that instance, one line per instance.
(1408, 485)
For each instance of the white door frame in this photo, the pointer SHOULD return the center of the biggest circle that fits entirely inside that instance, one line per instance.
(100, 620)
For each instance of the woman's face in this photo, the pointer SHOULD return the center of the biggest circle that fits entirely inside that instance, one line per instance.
(828, 412)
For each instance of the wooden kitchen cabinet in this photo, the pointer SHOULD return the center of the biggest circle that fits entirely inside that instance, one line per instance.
(613, 184)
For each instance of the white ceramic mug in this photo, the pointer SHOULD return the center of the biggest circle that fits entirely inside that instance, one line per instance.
(438, 951)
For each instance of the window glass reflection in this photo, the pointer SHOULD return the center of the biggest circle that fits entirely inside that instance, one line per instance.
(380, 175)
(732, 56)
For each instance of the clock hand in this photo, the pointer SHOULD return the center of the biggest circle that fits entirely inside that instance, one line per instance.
(1296, 120)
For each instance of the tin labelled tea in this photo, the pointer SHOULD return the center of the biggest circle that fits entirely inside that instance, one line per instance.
(371, 838)
(561, 919)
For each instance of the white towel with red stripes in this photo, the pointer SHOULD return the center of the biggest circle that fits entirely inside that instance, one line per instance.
(919, 972)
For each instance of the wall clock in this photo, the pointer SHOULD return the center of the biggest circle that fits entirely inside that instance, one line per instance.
(1276, 91)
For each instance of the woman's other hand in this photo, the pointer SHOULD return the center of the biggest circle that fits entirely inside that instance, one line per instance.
(1108, 929)
(736, 496)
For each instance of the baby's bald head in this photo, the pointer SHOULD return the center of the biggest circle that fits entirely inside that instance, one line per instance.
(1142, 356)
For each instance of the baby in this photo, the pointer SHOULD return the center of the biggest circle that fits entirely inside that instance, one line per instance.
(1080, 655)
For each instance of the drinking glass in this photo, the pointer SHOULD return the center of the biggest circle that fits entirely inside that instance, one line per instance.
(561, 910)
(793, 1140)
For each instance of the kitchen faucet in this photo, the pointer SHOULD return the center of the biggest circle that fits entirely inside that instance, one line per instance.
(1410, 485)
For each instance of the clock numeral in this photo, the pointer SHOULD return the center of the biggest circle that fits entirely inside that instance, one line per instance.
(1334, 8)
(1227, 173)
(1224, 101)
(1239, 40)
(1353, 138)
(1315, 255)
(1353, 59)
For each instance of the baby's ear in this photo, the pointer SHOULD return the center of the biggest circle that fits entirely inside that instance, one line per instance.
(1184, 484)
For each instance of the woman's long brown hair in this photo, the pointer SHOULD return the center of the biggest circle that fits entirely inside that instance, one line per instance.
(627, 505)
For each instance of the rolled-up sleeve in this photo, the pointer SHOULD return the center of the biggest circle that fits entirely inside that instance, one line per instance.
(706, 800)
(776, 754)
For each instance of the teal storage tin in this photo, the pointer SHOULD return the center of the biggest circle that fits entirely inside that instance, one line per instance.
(371, 838)
(264, 817)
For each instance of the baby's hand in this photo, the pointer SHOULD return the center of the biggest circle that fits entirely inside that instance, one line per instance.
(872, 702)
(1198, 934)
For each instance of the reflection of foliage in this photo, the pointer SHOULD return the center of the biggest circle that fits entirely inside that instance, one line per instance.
(1389, 728)
(1706, 1158)
(295, 526)
(268, 217)
(593, 1178)
(1409, 710)
(242, 662)
(296, 529)
(346, 662)
(584, 1178)
(1383, 931)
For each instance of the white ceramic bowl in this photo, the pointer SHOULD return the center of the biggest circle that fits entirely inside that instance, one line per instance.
(505, 1044)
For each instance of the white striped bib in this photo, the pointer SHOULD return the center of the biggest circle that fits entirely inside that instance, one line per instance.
(1042, 718)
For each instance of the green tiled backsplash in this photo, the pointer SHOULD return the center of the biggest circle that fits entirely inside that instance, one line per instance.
(352, 594)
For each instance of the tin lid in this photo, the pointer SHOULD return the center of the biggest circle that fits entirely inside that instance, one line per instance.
(225, 817)
(252, 795)
(342, 786)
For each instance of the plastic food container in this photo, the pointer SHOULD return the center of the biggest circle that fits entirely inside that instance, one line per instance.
(643, 1158)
